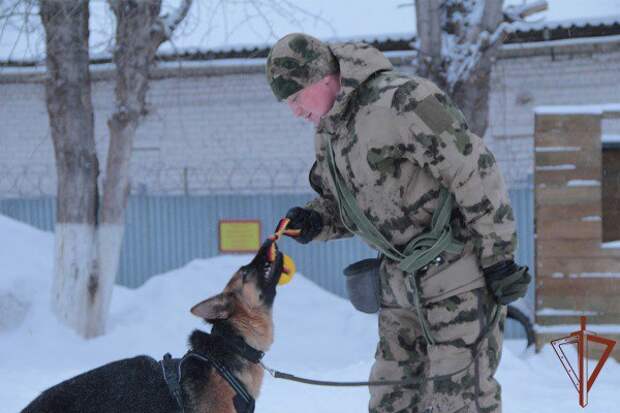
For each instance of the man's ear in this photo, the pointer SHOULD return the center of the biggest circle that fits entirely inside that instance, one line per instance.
(218, 307)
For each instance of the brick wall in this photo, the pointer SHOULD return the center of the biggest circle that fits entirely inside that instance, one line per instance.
(217, 129)
(221, 133)
(522, 80)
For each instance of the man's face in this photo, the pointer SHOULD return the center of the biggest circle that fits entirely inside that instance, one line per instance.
(315, 100)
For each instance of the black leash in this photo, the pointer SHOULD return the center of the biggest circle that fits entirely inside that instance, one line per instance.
(489, 328)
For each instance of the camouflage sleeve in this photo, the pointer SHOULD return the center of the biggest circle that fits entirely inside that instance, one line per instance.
(325, 204)
(437, 138)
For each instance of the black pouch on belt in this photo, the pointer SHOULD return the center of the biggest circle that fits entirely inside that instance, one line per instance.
(363, 285)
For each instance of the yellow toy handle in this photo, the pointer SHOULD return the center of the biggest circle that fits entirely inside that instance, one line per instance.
(288, 264)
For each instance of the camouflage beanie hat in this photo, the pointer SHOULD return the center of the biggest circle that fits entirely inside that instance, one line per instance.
(297, 60)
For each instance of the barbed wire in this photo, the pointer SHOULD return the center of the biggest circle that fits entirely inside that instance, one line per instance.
(238, 176)
(27, 181)
(224, 176)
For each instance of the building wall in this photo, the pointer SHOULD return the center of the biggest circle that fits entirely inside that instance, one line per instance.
(202, 134)
(218, 129)
(523, 79)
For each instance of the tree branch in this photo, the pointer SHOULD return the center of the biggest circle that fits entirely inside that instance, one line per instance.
(492, 15)
(519, 13)
(429, 35)
(16, 20)
(468, 57)
(285, 9)
(486, 45)
(170, 21)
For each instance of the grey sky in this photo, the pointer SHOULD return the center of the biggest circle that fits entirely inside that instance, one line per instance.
(225, 23)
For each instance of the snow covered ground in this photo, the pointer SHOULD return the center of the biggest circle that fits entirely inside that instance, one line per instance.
(317, 335)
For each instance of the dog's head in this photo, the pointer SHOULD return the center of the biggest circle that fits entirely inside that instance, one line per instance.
(248, 297)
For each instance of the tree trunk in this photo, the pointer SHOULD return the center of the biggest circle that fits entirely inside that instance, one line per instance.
(89, 238)
(472, 93)
(472, 97)
(140, 30)
(457, 45)
(68, 98)
(428, 25)
(133, 57)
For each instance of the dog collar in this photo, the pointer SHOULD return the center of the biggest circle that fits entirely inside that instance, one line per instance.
(237, 343)
(172, 372)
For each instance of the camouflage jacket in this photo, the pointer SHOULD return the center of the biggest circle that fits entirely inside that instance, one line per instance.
(396, 140)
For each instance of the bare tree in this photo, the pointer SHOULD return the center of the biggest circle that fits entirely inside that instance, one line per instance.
(457, 43)
(70, 110)
(140, 30)
(90, 221)
(89, 232)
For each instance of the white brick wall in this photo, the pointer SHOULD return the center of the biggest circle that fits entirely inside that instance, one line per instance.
(521, 83)
(226, 132)
(218, 133)
(25, 144)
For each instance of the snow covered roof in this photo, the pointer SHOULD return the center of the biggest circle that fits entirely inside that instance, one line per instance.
(565, 24)
(519, 33)
(385, 42)
(611, 139)
(383, 38)
(596, 109)
(522, 32)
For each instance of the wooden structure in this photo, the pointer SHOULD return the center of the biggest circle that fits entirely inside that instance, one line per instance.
(578, 272)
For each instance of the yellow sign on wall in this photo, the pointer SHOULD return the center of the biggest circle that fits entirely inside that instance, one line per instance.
(239, 235)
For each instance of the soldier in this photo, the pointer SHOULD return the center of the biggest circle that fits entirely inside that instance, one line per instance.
(397, 165)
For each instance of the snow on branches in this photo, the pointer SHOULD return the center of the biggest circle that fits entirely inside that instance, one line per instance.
(456, 45)
(469, 30)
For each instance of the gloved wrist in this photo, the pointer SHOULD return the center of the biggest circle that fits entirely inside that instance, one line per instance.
(308, 221)
(507, 281)
(500, 269)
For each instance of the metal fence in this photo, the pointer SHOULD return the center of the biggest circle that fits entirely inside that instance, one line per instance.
(165, 232)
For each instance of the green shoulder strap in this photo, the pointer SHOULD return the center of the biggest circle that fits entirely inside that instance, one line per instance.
(419, 252)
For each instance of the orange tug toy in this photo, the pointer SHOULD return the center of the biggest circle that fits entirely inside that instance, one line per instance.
(288, 264)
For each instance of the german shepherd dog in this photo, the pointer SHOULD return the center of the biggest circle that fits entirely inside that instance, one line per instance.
(241, 316)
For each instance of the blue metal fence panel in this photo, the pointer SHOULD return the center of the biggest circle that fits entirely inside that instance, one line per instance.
(39, 212)
(523, 207)
(165, 232)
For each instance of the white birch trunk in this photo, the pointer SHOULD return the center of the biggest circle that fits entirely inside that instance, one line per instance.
(139, 33)
(109, 242)
(89, 231)
(76, 282)
(74, 273)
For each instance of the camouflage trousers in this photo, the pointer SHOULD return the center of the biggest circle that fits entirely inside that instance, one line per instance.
(402, 352)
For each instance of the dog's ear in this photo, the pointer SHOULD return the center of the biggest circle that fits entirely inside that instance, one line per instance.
(218, 307)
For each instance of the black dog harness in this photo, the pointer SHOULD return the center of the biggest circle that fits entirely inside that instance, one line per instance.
(172, 370)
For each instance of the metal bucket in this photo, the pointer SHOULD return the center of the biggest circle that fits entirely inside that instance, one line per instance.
(363, 285)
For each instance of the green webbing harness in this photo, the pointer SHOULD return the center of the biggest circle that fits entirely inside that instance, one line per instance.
(418, 253)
